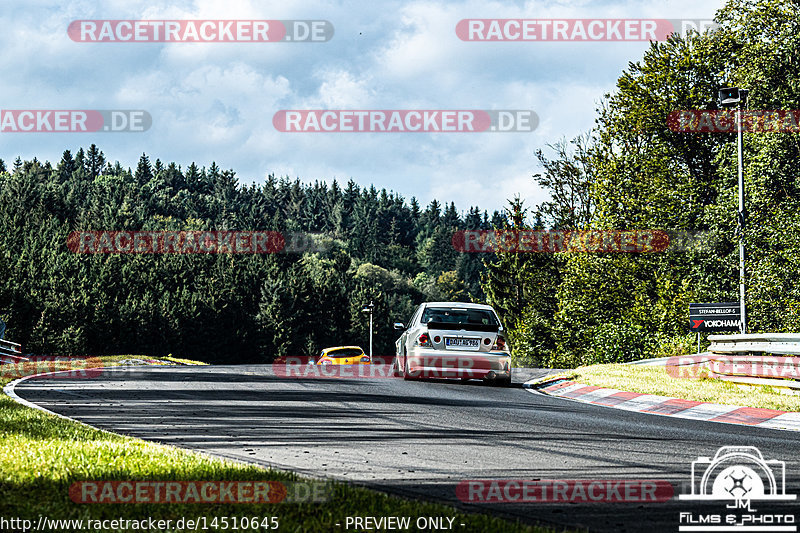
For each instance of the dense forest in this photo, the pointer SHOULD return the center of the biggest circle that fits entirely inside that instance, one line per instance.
(370, 246)
(631, 172)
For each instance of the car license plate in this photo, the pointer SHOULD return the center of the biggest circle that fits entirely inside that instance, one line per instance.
(454, 342)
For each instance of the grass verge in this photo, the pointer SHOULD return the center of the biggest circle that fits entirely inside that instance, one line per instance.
(41, 455)
(656, 380)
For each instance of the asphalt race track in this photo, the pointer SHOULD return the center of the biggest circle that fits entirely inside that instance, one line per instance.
(417, 439)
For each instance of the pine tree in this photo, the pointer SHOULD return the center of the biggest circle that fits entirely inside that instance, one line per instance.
(66, 166)
(95, 162)
(415, 211)
(506, 273)
(451, 218)
(144, 172)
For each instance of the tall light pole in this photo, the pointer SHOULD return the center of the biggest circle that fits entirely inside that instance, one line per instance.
(369, 309)
(728, 97)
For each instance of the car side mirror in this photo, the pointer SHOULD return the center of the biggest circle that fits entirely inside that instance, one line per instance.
(399, 326)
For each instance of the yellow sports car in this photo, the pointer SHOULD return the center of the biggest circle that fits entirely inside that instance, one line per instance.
(343, 355)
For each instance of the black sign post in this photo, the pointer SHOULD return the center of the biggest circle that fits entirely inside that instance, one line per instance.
(725, 316)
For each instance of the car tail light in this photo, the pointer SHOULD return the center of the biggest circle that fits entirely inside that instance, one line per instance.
(500, 344)
(487, 340)
(424, 340)
(437, 339)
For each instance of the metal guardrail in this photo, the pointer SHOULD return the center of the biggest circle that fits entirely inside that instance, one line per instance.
(10, 352)
(759, 359)
(771, 343)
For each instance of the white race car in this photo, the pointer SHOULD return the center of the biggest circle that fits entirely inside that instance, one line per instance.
(453, 340)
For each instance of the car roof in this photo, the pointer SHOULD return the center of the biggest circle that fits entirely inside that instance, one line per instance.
(464, 305)
(342, 348)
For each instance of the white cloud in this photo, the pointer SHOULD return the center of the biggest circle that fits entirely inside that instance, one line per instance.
(340, 90)
(216, 101)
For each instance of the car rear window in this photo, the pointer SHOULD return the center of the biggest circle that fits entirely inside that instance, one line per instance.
(443, 315)
(345, 352)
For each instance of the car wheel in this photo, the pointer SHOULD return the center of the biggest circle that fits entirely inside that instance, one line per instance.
(406, 374)
(502, 382)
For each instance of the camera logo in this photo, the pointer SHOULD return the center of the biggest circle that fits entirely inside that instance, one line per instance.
(738, 473)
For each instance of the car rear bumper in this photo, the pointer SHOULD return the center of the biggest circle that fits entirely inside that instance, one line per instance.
(427, 363)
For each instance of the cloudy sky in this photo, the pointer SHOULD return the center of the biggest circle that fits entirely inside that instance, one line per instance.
(216, 101)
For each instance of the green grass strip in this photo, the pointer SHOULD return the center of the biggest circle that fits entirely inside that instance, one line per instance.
(657, 380)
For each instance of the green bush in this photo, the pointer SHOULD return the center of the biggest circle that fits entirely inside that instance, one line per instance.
(615, 343)
(531, 341)
(675, 345)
